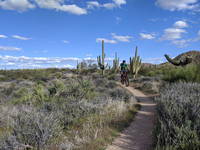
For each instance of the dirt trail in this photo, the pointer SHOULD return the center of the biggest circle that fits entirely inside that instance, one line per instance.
(138, 136)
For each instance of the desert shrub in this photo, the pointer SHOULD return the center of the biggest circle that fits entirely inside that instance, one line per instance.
(84, 72)
(38, 111)
(144, 71)
(119, 93)
(8, 90)
(31, 74)
(148, 84)
(95, 76)
(111, 115)
(58, 75)
(34, 128)
(36, 95)
(74, 89)
(72, 111)
(57, 90)
(20, 92)
(10, 143)
(111, 84)
(178, 117)
(189, 73)
(112, 76)
(100, 82)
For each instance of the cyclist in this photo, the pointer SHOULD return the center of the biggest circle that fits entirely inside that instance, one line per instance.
(123, 69)
(124, 66)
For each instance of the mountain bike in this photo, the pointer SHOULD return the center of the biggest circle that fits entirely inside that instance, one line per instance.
(124, 78)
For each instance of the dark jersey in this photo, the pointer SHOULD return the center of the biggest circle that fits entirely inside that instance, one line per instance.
(124, 67)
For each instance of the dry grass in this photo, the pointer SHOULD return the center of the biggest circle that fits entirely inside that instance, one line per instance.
(61, 112)
(178, 117)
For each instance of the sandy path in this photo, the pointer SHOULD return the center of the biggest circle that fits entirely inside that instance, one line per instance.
(138, 136)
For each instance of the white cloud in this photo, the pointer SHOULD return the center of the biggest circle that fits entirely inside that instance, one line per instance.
(173, 5)
(121, 38)
(9, 48)
(10, 64)
(185, 42)
(3, 36)
(115, 39)
(93, 4)
(111, 5)
(147, 36)
(119, 2)
(19, 62)
(19, 5)
(65, 41)
(21, 37)
(154, 60)
(115, 3)
(181, 43)
(36, 62)
(198, 33)
(59, 5)
(68, 66)
(106, 40)
(173, 34)
(180, 24)
(74, 9)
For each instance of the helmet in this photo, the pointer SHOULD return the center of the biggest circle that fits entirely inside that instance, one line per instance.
(124, 61)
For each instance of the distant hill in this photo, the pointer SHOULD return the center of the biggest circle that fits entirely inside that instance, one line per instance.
(195, 55)
(148, 65)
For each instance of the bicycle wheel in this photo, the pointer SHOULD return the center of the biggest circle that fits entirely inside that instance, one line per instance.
(122, 81)
(127, 81)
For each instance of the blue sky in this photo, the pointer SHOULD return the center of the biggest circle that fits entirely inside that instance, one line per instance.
(57, 33)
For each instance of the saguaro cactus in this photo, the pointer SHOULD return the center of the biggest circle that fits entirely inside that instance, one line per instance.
(78, 66)
(81, 66)
(181, 62)
(101, 59)
(116, 63)
(135, 64)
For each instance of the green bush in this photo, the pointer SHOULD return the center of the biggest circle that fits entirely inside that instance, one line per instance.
(189, 73)
(178, 119)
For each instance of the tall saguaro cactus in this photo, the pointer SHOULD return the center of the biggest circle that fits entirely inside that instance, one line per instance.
(116, 63)
(135, 63)
(101, 59)
(78, 66)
